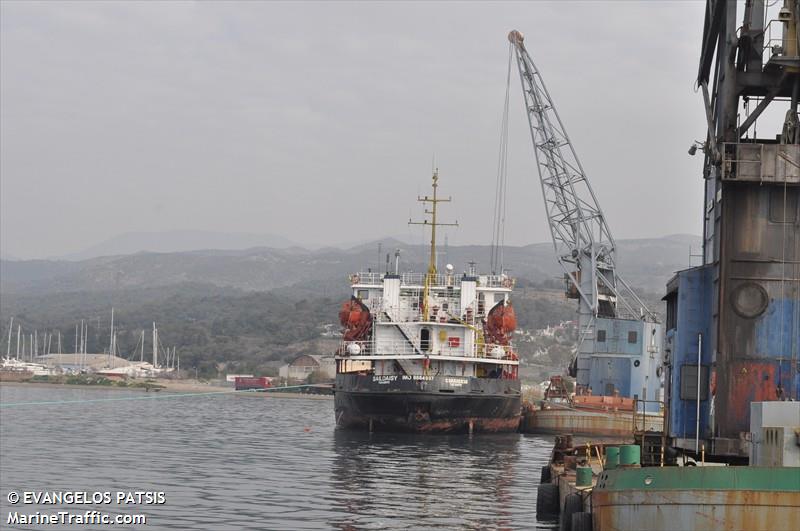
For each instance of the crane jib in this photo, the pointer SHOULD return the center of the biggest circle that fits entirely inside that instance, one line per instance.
(584, 245)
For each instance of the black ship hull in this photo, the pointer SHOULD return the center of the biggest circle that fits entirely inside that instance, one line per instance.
(436, 404)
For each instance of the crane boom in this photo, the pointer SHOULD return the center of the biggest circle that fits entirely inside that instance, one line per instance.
(582, 240)
(619, 338)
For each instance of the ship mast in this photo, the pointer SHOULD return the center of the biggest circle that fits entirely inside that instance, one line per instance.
(430, 277)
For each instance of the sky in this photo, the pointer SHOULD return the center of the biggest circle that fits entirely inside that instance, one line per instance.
(321, 122)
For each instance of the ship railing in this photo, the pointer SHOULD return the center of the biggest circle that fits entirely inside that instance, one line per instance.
(438, 280)
(448, 311)
(644, 418)
(775, 41)
(404, 348)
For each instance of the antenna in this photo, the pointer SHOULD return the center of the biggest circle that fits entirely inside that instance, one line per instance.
(434, 201)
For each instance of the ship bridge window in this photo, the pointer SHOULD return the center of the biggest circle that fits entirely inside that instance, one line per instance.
(425, 339)
(633, 337)
(363, 294)
(601, 336)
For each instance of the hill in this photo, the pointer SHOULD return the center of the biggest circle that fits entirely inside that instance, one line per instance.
(177, 241)
(252, 310)
(644, 263)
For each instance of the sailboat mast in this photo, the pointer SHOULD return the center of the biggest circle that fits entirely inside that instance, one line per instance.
(155, 346)
(19, 331)
(8, 348)
(111, 340)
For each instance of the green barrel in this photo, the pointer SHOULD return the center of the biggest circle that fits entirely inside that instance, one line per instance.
(583, 476)
(629, 455)
(612, 457)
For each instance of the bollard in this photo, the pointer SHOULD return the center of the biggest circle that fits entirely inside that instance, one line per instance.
(583, 476)
(630, 455)
(612, 457)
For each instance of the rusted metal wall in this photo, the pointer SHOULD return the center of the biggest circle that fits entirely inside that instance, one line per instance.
(587, 423)
(758, 334)
(695, 510)
(701, 498)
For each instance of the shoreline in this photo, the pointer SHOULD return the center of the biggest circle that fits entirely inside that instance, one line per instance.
(170, 387)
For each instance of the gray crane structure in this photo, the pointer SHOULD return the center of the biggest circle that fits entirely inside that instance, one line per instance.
(620, 339)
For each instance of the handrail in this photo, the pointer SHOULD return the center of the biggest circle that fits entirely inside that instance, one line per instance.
(636, 407)
(438, 280)
(391, 348)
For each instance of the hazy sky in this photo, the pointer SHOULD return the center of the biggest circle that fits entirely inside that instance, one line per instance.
(319, 121)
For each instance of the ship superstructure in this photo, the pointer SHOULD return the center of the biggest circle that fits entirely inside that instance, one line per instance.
(428, 351)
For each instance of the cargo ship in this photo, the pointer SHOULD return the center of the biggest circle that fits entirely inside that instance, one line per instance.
(428, 352)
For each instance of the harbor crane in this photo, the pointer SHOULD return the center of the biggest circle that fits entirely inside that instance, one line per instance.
(615, 327)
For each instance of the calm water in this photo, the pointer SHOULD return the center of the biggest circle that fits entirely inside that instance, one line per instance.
(250, 462)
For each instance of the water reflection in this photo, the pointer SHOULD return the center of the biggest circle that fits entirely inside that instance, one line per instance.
(412, 481)
(249, 462)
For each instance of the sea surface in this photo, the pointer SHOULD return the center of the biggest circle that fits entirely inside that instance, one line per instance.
(244, 461)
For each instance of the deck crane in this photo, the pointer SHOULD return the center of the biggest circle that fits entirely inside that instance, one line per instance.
(619, 337)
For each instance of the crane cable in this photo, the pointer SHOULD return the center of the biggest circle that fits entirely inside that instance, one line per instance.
(501, 184)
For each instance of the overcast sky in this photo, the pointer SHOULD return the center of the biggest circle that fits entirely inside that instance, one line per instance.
(319, 121)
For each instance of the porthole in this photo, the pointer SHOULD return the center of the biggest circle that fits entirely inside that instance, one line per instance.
(636, 363)
(749, 300)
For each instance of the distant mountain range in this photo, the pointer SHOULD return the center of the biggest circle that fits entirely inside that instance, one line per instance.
(177, 241)
(645, 263)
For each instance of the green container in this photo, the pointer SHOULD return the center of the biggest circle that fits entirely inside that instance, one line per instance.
(583, 476)
(612, 457)
(630, 455)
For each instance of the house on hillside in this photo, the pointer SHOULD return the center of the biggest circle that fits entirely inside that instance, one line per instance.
(302, 366)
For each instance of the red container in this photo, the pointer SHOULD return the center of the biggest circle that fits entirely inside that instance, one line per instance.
(244, 383)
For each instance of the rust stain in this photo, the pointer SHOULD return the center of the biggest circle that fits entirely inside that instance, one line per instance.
(696, 510)
(584, 423)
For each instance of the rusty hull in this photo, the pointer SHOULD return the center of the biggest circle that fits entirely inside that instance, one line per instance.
(698, 498)
(695, 510)
(587, 423)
